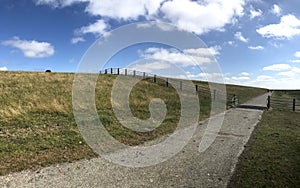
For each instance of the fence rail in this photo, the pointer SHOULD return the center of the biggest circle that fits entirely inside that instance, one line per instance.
(199, 89)
(284, 103)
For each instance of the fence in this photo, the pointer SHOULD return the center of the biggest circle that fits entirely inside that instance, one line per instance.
(201, 89)
(284, 103)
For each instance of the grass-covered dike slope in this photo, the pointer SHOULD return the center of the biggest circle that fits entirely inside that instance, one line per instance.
(37, 126)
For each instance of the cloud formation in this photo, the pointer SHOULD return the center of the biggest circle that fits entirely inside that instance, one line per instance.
(288, 27)
(276, 10)
(189, 57)
(3, 69)
(202, 17)
(193, 16)
(295, 61)
(75, 40)
(245, 74)
(297, 55)
(283, 69)
(256, 47)
(239, 36)
(124, 10)
(115, 9)
(98, 28)
(255, 13)
(152, 66)
(31, 49)
(277, 67)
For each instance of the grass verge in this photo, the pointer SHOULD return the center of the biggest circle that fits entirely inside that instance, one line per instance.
(272, 155)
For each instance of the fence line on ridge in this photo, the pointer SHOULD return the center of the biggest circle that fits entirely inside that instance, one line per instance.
(199, 89)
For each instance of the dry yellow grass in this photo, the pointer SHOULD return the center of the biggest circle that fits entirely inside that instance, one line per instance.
(23, 93)
(37, 124)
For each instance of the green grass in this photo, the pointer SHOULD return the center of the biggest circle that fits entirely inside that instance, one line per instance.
(37, 126)
(272, 155)
(288, 93)
(243, 93)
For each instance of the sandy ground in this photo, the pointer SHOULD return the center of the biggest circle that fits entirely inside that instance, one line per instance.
(189, 168)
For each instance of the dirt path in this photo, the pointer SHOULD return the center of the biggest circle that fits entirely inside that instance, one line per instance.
(189, 168)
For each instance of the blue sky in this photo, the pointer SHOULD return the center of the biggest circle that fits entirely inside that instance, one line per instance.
(255, 42)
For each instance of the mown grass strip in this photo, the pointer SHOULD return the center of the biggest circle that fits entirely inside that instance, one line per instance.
(272, 156)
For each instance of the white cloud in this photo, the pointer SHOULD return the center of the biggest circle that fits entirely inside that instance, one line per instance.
(239, 36)
(276, 10)
(194, 16)
(256, 47)
(277, 82)
(296, 69)
(31, 49)
(151, 67)
(108, 9)
(278, 67)
(264, 78)
(189, 57)
(163, 26)
(245, 74)
(297, 55)
(284, 70)
(287, 73)
(98, 28)
(171, 56)
(295, 61)
(211, 77)
(116, 9)
(3, 69)
(240, 78)
(255, 13)
(288, 27)
(125, 9)
(282, 80)
(75, 40)
(204, 51)
(202, 17)
(231, 43)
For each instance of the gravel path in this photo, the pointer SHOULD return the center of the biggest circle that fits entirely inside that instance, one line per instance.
(189, 168)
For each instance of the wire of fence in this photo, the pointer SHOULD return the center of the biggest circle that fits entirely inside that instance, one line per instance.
(284, 103)
(201, 89)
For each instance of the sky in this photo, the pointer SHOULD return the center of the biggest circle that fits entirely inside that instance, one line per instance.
(255, 42)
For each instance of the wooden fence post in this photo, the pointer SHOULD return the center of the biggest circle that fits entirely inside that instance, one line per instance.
(167, 82)
(144, 75)
(294, 104)
(154, 78)
(118, 71)
(105, 71)
(125, 72)
(196, 88)
(269, 102)
(133, 72)
(180, 85)
(215, 94)
(111, 70)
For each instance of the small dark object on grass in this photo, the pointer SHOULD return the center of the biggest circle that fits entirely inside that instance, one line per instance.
(48, 71)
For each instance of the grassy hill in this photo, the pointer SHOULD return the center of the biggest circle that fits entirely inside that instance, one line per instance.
(37, 126)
